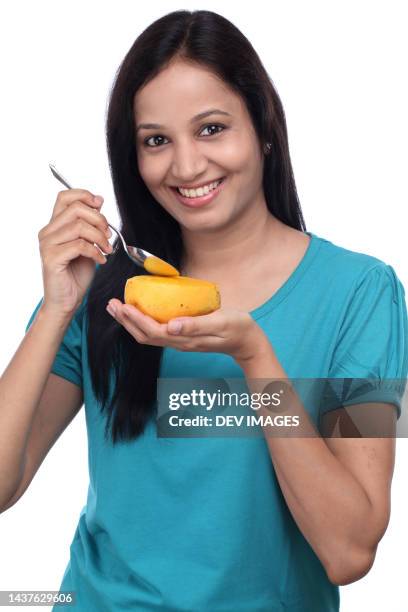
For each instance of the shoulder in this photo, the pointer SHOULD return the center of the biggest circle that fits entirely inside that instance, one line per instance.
(350, 268)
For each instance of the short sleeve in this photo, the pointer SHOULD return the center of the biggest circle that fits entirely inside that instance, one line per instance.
(371, 352)
(68, 360)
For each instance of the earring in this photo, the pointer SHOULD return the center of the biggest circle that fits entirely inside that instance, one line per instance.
(267, 148)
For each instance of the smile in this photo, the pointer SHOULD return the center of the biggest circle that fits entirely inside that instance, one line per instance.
(199, 191)
(193, 198)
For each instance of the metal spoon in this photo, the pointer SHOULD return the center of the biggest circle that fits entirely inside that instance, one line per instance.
(137, 255)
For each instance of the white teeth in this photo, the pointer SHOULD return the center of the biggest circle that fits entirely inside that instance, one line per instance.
(196, 193)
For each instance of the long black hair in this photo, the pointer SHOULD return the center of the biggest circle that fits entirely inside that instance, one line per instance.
(123, 372)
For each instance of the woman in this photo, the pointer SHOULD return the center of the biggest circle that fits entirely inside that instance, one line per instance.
(204, 524)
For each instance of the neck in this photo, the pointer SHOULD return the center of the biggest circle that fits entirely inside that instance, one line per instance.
(224, 249)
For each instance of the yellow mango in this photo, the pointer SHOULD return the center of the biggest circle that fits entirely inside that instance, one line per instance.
(167, 297)
(157, 266)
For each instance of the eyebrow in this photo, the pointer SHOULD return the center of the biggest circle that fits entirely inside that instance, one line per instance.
(156, 126)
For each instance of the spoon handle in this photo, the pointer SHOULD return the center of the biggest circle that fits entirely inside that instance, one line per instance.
(59, 176)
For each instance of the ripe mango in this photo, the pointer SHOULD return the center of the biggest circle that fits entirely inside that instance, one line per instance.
(157, 266)
(167, 297)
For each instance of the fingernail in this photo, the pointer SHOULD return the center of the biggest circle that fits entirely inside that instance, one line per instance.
(175, 327)
(98, 199)
(111, 309)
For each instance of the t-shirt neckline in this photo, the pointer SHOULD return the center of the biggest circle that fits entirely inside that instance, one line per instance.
(291, 281)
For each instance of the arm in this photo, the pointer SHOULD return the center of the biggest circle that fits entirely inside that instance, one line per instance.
(35, 406)
(337, 490)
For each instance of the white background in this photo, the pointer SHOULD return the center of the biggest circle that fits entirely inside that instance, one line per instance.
(340, 70)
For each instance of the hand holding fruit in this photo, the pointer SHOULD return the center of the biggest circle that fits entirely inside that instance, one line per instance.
(227, 331)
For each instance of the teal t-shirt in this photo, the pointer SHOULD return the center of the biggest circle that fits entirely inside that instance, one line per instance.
(200, 524)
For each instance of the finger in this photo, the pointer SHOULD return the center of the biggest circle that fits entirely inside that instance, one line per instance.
(190, 326)
(76, 211)
(67, 196)
(201, 325)
(132, 323)
(65, 253)
(152, 330)
(74, 230)
(148, 331)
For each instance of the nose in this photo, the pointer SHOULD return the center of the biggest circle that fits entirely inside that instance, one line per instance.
(188, 162)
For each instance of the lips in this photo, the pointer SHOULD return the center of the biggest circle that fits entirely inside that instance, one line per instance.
(200, 200)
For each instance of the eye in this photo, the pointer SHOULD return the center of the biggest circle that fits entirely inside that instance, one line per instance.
(215, 125)
(156, 137)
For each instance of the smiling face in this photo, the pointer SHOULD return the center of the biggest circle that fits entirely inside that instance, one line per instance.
(184, 149)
